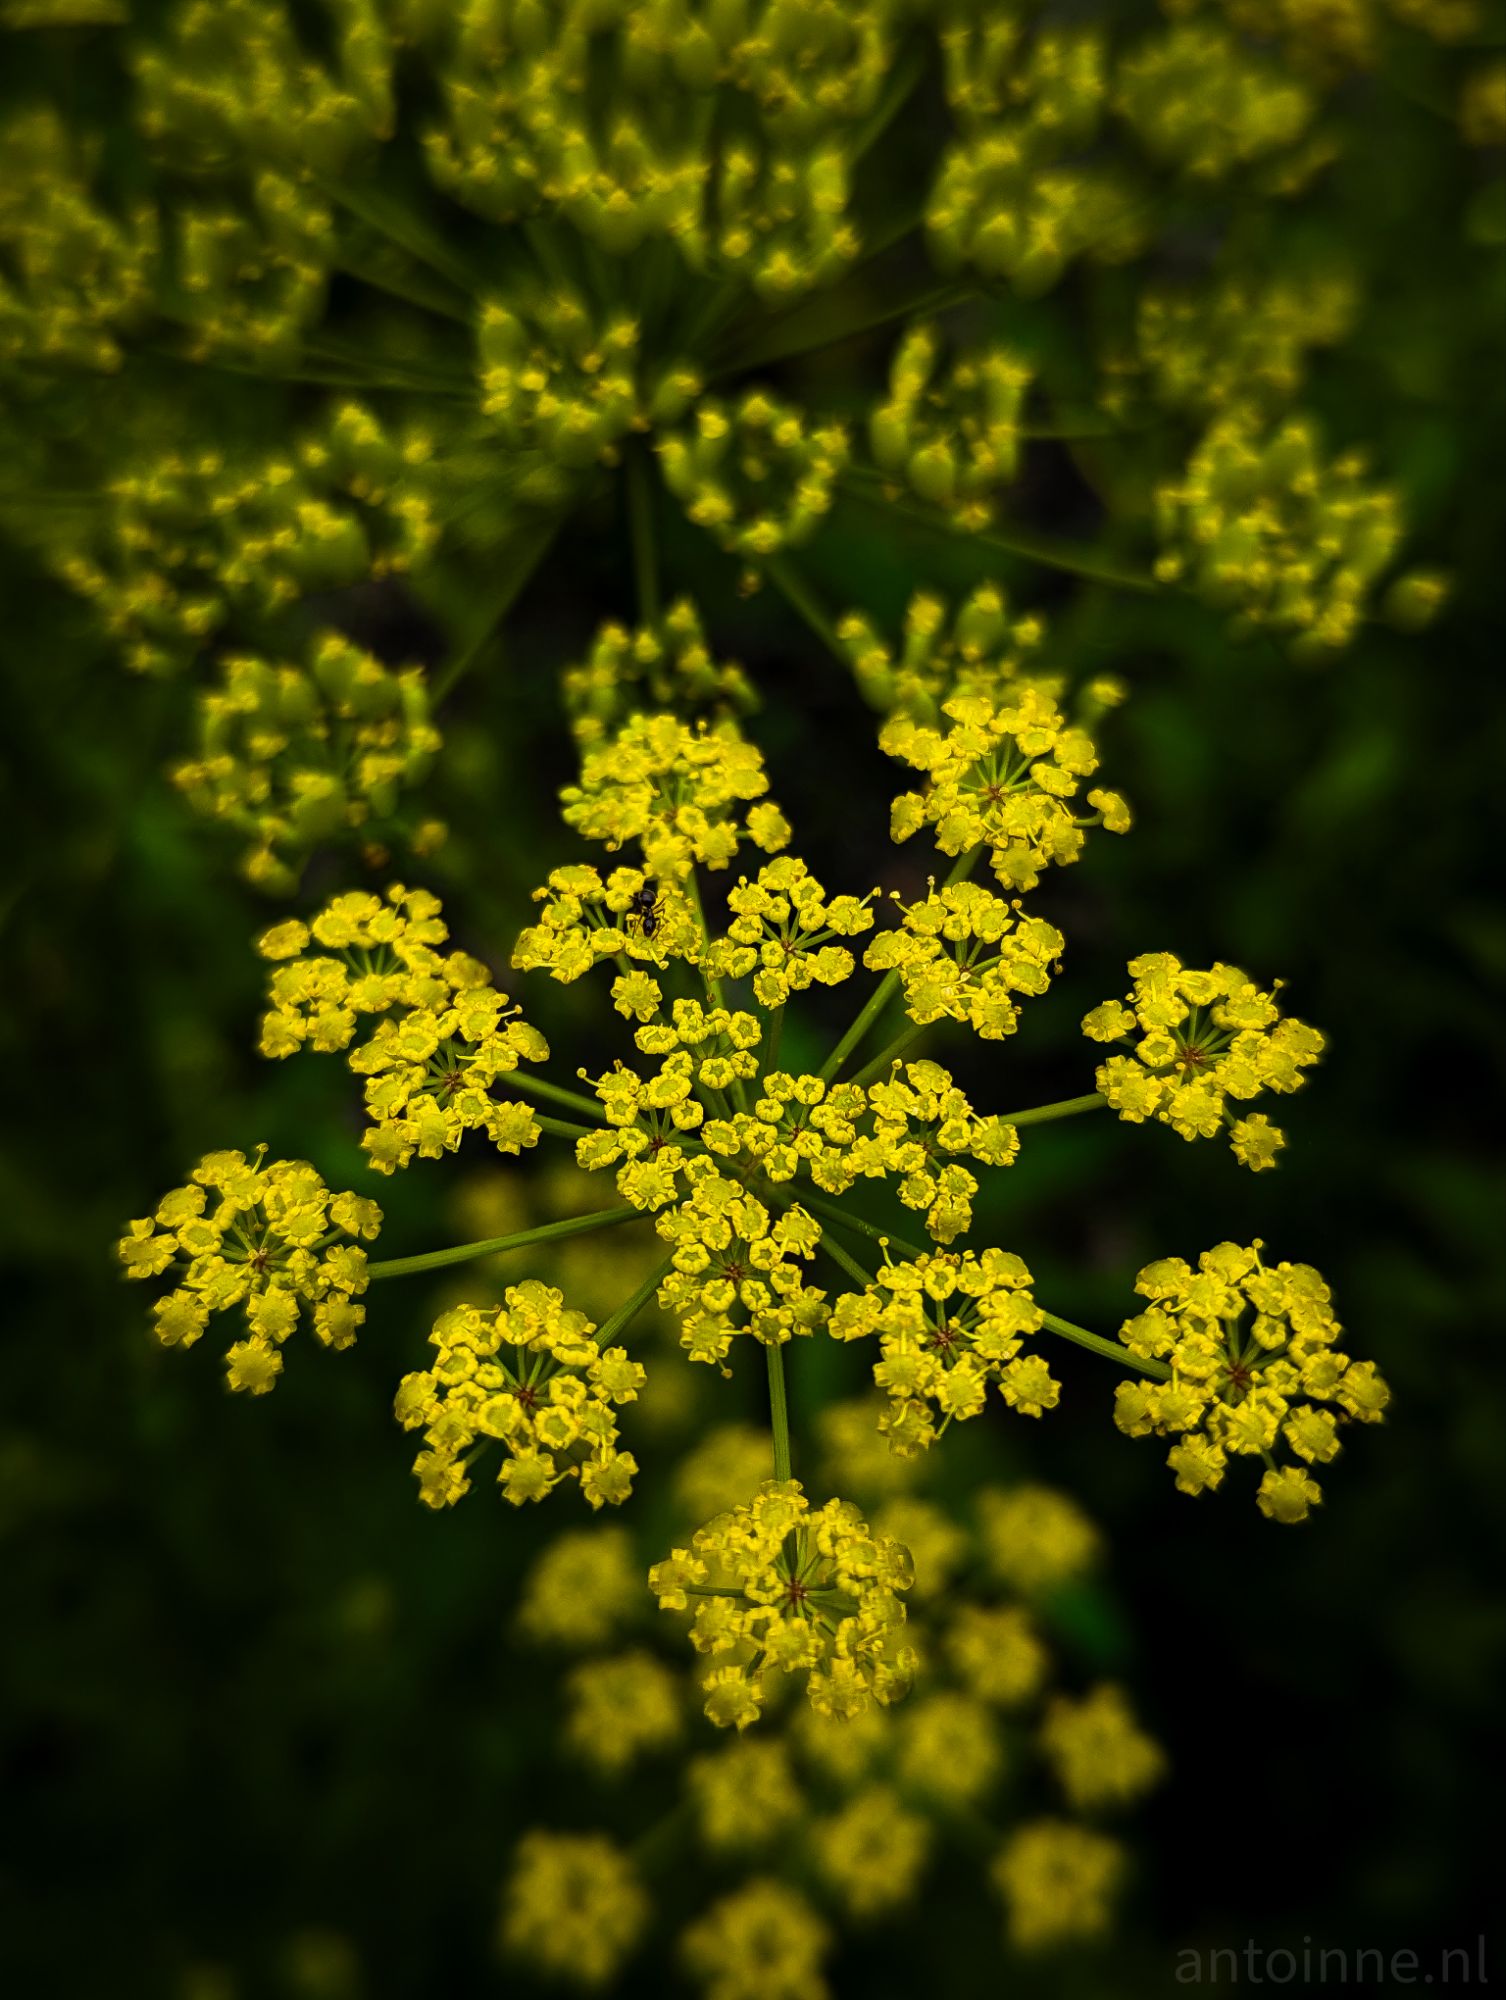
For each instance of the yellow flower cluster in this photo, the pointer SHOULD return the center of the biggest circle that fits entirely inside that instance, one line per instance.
(293, 754)
(562, 391)
(735, 1267)
(948, 1325)
(76, 275)
(1034, 1539)
(1241, 342)
(1012, 197)
(233, 77)
(685, 795)
(1241, 1384)
(431, 1065)
(1201, 100)
(665, 665)
(910, 1128)
(195, 540)
(598, 117)
(1260, 525)
(762, 1942)
(1004, 774)
(588, 917)
(1100, 1755)
(786, 1588)
(582, 1589)
(780, 931)
(756, 475)
(1200, 1038)
(963, 954)
(954, 443)
(1327, 37)
(529, 1375)
(974, 653)
(1056, 1880)
(265, 1235)
(573, 1906)
(621, 1709)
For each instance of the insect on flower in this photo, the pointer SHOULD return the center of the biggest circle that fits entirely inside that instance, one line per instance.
(645, 909)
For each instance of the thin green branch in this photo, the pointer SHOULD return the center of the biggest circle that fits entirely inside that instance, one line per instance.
(779, 1412)
(849, 1264)
(879, 1067)
(1112, 1349)
(629, 1310)
(540, 1086)
(494, 1246)
(563, 1128)
(640, 499)
(528, 552)
(874, 491)
(1064, 1107)
(798, 594)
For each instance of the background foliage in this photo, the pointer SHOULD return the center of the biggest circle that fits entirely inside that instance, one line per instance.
(266, 1724)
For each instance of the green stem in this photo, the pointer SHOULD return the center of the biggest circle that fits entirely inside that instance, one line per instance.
(779, 1410)
(529, 553)
(1096, 1344)
(1033, 548)
(1065, 1107)
(795, 340)
(837, 1213)
(626, 1313)
(961, 869)
(880, 1065)
(563, 1128)
(849, 1264)
(493, 1246)
(798, 595)
(640, 499)
(775, 1036)
(539, 1086)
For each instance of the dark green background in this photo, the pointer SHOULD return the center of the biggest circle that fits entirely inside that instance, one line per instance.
(251, 1690)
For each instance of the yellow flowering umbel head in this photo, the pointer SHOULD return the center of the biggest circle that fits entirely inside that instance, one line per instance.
(1197, 1040)
(573, 1906)
(264, 1235)
(1056, 1880)
(665, 665)
(948, 1325)
(974, 652)
(735, 1268)
(446, 1037)
(780, 931)
(953, 444)
(963, 953)
(781, 1586)
(290, 755)
(683, 795)
(528, 1375)
(1004, 775)
(1254, 1367)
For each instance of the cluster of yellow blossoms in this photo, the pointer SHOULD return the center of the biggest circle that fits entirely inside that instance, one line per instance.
(831, 1819)
(529, 1375)
(782, 1586)
(676, 792)
(963, 953)
(291, 754)
(447, 1034)
(1241, 1384)
(1005, 775)
(1198, 1039)
(272, 1239)
(948, 1325)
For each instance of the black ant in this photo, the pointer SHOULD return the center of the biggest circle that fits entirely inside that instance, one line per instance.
(645, 909)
